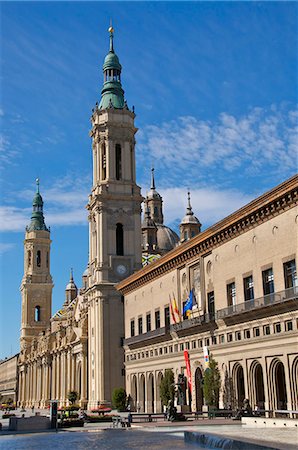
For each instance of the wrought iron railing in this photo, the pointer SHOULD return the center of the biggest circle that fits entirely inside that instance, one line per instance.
(256, 303)
(145, 336)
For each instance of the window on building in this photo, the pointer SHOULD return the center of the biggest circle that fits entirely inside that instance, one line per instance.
(214, 340)
(156, 352)
(176, 348)
(118, 162)
(185, 235)
(256, 332)
(132, 327)
(181, 347)
(248, 285)
(171, 349)
(289, 325)
(167, 316)
(157, 319)
(200, 343)
(165, 350)
(266, 330)
(207, 342)
(37, 314)
(238, 336)
(187, 345)
(211, 306)
(277, 327)
(160, 351)
(231, 294)
(290, 274)
(268, 281)
(103, 162)
(229, 337)
(151, 353)
(222, 338)
(119, 239)
(194, 344)
(38, 258)
(140, 325)
(247, 334)
(148, 322)
(29, 258)
(47, 260)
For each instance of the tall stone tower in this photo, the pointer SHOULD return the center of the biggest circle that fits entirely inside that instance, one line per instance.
(114, 231)
(37, 284)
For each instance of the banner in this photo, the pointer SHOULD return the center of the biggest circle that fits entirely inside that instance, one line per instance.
(206, 356)
(188, 371)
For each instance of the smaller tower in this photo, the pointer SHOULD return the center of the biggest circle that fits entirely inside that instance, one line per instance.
(149, 232)
(37, 284)
(190, 226)
(154, 202)
(71, 290)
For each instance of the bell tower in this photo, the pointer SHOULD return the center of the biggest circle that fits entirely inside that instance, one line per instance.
(37, 284)
(114, 230)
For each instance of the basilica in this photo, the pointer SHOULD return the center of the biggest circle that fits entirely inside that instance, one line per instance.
(125, 324)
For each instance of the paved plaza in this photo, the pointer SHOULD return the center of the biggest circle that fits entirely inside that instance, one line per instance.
(279, 438)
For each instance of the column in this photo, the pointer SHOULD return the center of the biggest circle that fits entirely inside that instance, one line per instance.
(54, 396)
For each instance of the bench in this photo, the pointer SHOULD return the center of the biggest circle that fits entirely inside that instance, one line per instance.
(147, 417)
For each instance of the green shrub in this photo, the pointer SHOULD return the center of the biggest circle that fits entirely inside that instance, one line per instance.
(119, 398)
(167, 387)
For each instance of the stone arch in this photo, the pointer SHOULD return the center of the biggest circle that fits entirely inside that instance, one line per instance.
(238, 382)
(134, 392)
(294, 380)
(159, 378)
(150, 393)
(277, 381)
(199, 389)
(256, 379)
(142, 393)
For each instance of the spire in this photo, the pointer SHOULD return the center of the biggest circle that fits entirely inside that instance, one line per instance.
(71, 290)
(112, 94)
(152, 179)
(111, 31)
(37, 217)
(189, 211)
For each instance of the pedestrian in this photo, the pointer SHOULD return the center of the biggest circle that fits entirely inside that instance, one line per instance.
(32, 409)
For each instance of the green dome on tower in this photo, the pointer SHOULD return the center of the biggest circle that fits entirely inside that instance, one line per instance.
(37, 218)
(112, 94)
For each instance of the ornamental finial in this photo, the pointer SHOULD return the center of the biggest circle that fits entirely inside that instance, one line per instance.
(37, 184)
(111, 31)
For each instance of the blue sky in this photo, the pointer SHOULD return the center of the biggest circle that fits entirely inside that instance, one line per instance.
(215, 93)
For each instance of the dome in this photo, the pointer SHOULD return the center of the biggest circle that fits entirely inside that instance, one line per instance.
(153, 194)
(70, 286)
(167, 239)
(190, 219)
(37, 200)
(86, 272)
(111, 62)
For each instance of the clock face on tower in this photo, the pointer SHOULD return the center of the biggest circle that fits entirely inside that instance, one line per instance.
(121, 269)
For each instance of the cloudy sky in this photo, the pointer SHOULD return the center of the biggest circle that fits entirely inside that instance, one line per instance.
(214, 90)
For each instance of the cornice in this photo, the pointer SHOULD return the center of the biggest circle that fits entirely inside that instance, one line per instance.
(268, 205)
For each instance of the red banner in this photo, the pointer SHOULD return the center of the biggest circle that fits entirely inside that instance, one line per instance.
(187, 362)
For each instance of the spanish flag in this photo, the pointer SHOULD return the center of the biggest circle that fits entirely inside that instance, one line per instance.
(174, 310)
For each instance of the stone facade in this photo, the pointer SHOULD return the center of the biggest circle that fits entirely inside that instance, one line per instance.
(9, 379)
(243, 274)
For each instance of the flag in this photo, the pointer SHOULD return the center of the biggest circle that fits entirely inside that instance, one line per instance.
(188, 371)
(206, 356)
(174, 310)
(189, 304)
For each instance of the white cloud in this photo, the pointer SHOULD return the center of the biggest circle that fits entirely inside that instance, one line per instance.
(263, 139)
(7, 153)
(209, 205)
(6, 247)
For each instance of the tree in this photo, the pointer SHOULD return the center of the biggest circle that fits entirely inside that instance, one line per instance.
(72, 397)
(211, 386)
(228, 392)
(167, 387)
(119, 399)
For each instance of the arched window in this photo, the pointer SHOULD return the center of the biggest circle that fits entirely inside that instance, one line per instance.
(29, 258)
(118, 162)
(185, 235)
(119, 239)
(47, 260)
(103, 161)
(38, 258)
(37, 314)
